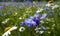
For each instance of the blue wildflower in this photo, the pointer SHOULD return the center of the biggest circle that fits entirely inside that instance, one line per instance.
(31, 17)
(29, 22)
(36, 19)
(43, 16)
(1, 6)
(25, 3)
(37, 3)
(29, 25)
(37, 15)
(22, 23)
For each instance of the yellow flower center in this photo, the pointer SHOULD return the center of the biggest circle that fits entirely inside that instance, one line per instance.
(7, 28)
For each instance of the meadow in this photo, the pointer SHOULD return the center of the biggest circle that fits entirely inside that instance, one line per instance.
(29, 19)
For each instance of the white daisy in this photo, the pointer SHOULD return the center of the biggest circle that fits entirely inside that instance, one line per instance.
(13, 28)
(7, 33)
(21, 29)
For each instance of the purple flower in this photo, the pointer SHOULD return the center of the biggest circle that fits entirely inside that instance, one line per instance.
(36, 19)
(1, 6)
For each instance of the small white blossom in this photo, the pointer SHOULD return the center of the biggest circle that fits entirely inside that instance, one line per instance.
(6, 20)
(39, 10)
(21, 29)
(41, 32)
(55, 6)
(20, 18)
(13, 28)
(49, 4)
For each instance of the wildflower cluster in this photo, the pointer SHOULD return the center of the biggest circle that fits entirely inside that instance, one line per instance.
(29, 19)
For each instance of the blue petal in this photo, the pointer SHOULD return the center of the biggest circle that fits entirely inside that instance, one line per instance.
(30, 21)
(31, 17)
(36, 15)
(22, 23)
(1, 6)
(27, 20)
(29, 25)
(36, 19)
(43, 16)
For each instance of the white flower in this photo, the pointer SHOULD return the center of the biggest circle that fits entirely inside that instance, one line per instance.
(49, 4)
(39, 10)
(20, 18)
(6, 33)
(9, 31)
(21, 29)
(6, 20)
(13, 28)
(55, 6)
(41, 32)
